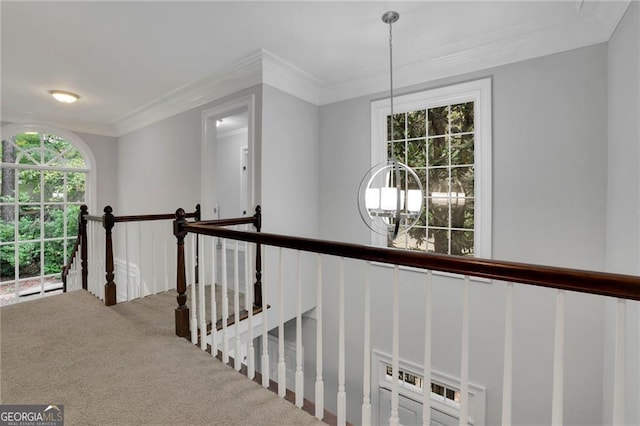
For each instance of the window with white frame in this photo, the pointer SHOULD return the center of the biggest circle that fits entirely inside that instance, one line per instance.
(444, 135)
(45, 179)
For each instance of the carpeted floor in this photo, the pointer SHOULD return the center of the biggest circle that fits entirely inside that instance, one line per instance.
(124, 366)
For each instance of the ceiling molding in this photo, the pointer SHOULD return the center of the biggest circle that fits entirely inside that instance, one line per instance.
(241, 75)
(504, 47)
(287, 77)
(11, 116)
(608, 14)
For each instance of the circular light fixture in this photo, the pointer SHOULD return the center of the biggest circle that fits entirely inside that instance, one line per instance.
(390, 197)
(64, 97)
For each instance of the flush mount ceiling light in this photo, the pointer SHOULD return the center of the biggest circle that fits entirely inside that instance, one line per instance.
(64, 97)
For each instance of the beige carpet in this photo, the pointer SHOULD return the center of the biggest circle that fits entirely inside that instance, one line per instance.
(124, 366)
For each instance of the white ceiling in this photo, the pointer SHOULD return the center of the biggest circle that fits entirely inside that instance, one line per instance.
(123, 58)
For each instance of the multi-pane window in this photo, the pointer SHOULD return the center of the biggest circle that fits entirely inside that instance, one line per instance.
(443, 135)
(42, 185)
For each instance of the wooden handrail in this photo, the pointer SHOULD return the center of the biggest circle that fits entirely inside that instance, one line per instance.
(605, 284)
(108, 221)
(180, 225)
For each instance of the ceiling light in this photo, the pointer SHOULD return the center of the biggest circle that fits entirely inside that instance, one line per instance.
(219, 122)
(390, 194)
(64, 97)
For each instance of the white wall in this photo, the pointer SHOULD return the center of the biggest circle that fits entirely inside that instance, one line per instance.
(159, 165)
(549, 128)
(290, 170)
(623, 197)
(227, 169)
(105, 151)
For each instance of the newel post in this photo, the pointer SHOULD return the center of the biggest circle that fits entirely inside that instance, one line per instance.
(84, 243)
(257, 285)
(182, 311)
(108, 221)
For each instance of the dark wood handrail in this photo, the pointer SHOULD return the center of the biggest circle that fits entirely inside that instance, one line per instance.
(180, 225)
(605, 284)
(108, 221)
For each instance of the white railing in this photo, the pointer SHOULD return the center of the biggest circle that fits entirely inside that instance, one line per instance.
(286, 283)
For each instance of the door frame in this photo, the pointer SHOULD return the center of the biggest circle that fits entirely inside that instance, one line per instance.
(207, 151)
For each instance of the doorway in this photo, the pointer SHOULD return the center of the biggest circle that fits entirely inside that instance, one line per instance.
(227, 160)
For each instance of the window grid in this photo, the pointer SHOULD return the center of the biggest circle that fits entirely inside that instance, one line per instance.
(399, 138)
(56, 161)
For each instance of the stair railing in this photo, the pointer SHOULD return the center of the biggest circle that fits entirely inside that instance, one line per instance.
(623, 288)
(104, 250)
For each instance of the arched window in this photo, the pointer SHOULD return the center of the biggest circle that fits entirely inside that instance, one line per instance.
(46, 177)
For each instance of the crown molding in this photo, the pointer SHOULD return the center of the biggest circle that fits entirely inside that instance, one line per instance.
(241, 75)
(513, 44)
(259, 67)
(13, 116)
(287, 77)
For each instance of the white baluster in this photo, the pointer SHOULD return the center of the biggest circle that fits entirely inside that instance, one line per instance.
(236, 307)
(248, 304)
(265, 328)
(394, 420)
(366, 373)
(299, 373)
(127, 259)
(619, 366)
(426, 384)
(342, 394)
(464, 356)
(558, 362)
(214, 307)
(154, 275)
(507, 375)
(166, 263)
(282, 370)
(225, 302)
(192, 279)
(141, 292)
(319, 382)
(201, 284)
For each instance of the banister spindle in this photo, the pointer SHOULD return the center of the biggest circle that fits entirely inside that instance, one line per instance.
(192, 279)
(201, 296)
(558, 363)
(248, 305)
(299, 373)
(394, 420)
(319, 391)
(108, 221)
(366, 373)
(342, 394)
(426, 383)
(127, 260)
(141, 292)
(265, 328)
(154, 274)
(225, 302)
(214, 306)
(84, 245)
(619, 363)
(182, 311)
(236, 307)
(464, 356)
(282, 370)
(507, 375)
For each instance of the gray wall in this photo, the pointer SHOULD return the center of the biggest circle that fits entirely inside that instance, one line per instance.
(290, 170)
(159, 165)
(549, 180)
(227, 168)
(623, 198)
(105, 150)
